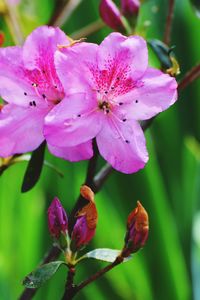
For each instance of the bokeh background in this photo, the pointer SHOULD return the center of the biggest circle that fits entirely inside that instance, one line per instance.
(169, 186)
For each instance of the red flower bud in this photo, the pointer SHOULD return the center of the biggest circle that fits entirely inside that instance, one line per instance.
(130, 8)
(2, 38)
(57, 219)
(85, 226)
(110, 14)
(137, 230)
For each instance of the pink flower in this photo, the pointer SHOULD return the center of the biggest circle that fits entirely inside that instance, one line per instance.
(30, 86)
(57, 219)
(110, 14)
(112, 88)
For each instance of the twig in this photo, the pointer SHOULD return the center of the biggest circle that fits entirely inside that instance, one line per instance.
(65, 13)
(88, 30)
(190, 76)
(70, 287)
(97, 275)
(168, 26)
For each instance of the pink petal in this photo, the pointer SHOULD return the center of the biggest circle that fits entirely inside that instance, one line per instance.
(20, 129)
(13, 81)
(81, 152)
(40, 46)
(123, 145)
(73, 67)
(127, 53)
(157, 92)
(72, 122)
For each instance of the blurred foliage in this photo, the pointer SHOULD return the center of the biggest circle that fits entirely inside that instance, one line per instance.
(169, 186)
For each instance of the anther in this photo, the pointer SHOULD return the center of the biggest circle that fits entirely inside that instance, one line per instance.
(34, 104)
(34, 84)
(30, 103)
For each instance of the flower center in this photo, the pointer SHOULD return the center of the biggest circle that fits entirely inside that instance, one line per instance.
(104, 106)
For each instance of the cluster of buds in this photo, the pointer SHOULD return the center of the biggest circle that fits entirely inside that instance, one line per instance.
(84, 228)
(115, 18)
(137, 230)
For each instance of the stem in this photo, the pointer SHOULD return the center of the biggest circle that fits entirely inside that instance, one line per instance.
(12, 22)
(65, 13)
(168, 26)
(190, 76)
(97, 275)
(70, 287)
(88, 30)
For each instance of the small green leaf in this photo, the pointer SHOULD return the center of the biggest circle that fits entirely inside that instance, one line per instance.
(162, 51)
(104, 254)
(34, 168)
(196, 5)
(43, 273)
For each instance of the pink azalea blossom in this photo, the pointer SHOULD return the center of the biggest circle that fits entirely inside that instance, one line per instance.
(30, 88)
(112, 88)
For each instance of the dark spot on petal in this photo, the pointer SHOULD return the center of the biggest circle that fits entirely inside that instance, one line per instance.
(34, 104)
(79, 115)
(106, 92)
(124, 120)
(136, 101)
(128, 142)
(43, 95)
(112, 87)
(43, 71)
(25, 94)
(107, 111)
(30, 103)
(55, 86)
(121, 103)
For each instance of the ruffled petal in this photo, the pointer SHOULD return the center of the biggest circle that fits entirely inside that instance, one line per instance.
(72, 122)
(73, 66)
(21, 129)
(123, 145)
(14, 85)
(157, 92)
(81, 152)
(128, 54)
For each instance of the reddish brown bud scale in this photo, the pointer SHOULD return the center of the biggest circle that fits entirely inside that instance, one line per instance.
(2, 38)
(87, 217)
(137, 230)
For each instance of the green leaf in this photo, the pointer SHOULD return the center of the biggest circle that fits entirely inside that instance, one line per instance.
(43, 273)
(162, 51)
(34, 168)
(196, 5)
(105, 254)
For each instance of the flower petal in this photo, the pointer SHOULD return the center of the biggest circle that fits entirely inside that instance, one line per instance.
(14, 87)
(40, 46)
(123, 145)
(157, 92)
(72, 122)
(126, 53)
(20, 129)
(81, 152)
(77, 59)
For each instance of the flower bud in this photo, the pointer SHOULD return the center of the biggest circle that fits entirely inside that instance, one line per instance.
(85, 226)
(57, 219)
(2, 38)
(137, 230)
(110, 14)
(130, 8)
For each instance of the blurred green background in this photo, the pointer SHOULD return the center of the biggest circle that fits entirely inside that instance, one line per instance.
(169, 186)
